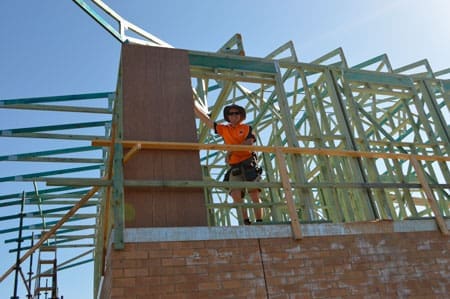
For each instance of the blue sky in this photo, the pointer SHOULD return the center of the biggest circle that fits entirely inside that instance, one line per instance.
(52, 47)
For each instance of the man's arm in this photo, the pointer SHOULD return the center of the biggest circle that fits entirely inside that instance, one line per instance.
(203, 115)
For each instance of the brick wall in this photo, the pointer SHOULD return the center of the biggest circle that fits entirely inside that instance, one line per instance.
(377, 265)
(396, 265)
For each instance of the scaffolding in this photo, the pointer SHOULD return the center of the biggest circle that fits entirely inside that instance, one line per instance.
(337, 143)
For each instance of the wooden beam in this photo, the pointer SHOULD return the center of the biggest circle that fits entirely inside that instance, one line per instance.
(295, 223)
(430, 197)
(268, 149)
(131, 152)
(52, 230)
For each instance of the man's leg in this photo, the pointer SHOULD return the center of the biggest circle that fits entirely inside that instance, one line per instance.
(238, 194)
(237, 198)
(254, 195)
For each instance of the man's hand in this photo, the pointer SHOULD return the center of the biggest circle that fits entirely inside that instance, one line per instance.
(248, 141)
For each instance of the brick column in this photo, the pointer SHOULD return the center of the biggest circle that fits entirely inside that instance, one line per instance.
(158, 106)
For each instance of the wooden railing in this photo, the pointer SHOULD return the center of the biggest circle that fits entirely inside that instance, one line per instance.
(280, 152)
(133, 148)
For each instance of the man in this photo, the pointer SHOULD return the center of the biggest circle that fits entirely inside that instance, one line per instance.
(242, 164)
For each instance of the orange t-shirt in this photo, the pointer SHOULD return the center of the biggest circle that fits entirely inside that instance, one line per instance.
(235, 136)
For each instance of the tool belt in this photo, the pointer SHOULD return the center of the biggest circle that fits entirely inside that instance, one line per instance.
(249, 168)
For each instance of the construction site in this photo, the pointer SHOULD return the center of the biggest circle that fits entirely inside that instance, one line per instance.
(355, 186)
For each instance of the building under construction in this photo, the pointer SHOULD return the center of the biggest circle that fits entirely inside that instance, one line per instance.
(355, 188)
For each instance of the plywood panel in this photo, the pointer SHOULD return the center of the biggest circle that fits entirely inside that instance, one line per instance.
(158, 106)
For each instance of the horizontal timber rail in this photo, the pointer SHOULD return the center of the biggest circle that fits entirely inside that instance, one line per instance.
(82, 182)
(267, 149)
(279, 152)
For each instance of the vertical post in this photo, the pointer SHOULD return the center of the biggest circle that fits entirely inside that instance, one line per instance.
(30, 271)
(306, 196)
(118, 199)
(295, 224)
(19, 243)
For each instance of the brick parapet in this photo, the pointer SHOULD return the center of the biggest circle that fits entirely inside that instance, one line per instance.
(413, 264)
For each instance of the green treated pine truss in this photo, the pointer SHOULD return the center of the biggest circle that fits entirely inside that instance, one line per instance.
(323, 104)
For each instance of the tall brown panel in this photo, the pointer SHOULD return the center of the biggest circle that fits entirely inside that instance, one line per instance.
(158, 106)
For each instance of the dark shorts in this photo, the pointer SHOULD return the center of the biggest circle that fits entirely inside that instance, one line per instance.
(237, 175)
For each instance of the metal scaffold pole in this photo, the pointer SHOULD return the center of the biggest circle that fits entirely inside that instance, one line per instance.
(19, 247)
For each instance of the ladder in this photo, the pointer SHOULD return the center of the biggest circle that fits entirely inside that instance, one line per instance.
(46, 269)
